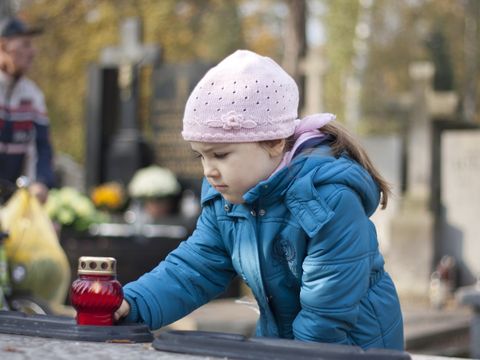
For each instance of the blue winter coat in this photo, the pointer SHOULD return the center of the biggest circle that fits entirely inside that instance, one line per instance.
(303, 243)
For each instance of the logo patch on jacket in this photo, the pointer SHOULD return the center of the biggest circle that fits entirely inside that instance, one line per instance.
(283, 250)
(285, 256)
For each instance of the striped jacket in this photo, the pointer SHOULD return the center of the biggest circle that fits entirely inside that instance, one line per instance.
(25, 147)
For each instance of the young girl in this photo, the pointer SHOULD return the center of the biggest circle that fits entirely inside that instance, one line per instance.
(286, 205)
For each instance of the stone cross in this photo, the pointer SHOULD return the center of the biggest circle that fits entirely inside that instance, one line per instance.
(411, 254)
(419, 137)
(427, 105)
(128, 150)
(131, 50)
(313, 68)
(128, 57)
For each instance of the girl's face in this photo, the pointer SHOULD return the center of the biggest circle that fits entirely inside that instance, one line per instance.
(233, 169)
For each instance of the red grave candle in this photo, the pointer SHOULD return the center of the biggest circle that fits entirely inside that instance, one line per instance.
(96, 293)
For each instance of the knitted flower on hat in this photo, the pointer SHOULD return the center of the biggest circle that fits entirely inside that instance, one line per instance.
(245, 98)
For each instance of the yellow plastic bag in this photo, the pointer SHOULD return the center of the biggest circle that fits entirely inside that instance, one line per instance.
(37, 262)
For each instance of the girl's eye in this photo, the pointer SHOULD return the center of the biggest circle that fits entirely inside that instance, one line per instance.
(197, 155)
(220, 156)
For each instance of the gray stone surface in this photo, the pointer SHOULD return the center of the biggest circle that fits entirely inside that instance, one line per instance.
(437, 331)
(427, 332)
(16, 347)
(470, 296)
(13, 347)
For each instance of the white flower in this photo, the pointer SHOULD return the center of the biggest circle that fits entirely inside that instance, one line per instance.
(153, 181)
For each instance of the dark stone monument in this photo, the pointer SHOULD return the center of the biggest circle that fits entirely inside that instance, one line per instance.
(115, 145)
(102, 103)
(128, 151)
(173, 84)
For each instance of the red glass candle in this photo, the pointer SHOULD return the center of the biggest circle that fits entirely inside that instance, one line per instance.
(96, 294)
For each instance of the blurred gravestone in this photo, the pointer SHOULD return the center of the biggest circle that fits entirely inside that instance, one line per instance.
(128, 151)
(173, 84)
(443, 78)
(115, 145)
(460, 196)
(314, 67)
(102, 104)
(6, 8)
(386, 154)
(412, 247)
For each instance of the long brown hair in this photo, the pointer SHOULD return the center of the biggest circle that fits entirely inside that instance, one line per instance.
(344, 141)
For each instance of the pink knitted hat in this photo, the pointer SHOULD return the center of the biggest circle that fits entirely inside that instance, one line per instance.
(245, 98)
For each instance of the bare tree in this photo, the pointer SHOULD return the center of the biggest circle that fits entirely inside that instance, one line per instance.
(471, 58)
(295, 46)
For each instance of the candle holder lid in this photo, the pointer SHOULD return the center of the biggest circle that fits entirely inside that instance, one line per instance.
(95, 265)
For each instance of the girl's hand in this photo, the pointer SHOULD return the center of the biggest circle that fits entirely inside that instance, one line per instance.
(122, 311)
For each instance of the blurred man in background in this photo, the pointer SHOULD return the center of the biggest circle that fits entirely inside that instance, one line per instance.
(25, 147)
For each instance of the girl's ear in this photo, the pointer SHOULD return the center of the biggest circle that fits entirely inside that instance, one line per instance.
(276, 147)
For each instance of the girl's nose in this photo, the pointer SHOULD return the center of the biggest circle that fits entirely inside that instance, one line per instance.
(209, 171)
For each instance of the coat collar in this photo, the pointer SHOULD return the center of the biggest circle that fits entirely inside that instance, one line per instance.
(9, 79)
(297, 182)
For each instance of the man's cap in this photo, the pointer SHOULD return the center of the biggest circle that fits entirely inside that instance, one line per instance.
(13, 26)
